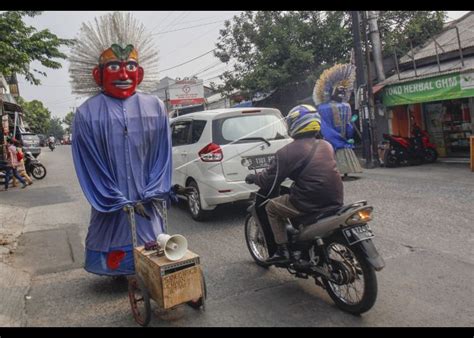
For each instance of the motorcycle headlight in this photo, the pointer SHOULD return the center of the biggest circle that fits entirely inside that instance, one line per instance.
(360, 217)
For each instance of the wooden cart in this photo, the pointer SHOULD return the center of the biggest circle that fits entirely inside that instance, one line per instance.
(168, 283)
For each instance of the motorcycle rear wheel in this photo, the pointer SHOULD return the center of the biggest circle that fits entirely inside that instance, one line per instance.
(352, 260)
(38, 171)
(256, 243)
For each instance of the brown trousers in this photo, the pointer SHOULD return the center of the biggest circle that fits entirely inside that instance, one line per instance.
(278, 210)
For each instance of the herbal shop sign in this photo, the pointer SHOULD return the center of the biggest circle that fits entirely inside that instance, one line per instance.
(445, 87)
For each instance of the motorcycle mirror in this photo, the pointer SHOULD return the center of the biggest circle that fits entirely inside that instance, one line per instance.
(354, 118)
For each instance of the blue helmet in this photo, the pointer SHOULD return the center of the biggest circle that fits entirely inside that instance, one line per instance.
(302, 119)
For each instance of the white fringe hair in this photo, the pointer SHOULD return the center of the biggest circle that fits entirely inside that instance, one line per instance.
(94, 38)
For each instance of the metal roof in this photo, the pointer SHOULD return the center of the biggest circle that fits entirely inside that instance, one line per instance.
(447, 67)
(447, 39)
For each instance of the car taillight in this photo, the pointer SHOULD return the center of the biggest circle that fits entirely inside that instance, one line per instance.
(211, 153)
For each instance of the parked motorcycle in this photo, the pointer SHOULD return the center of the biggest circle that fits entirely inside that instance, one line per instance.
(34, 167)
(406, 150)
(51, 146)
(334, 247)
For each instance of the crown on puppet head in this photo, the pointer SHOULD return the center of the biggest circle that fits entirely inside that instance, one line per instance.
(339, 75)
(117, 52)
(102, 41)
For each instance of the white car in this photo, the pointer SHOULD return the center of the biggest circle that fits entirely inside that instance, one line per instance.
(214, 150)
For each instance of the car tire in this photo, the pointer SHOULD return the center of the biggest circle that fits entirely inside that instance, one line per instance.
(194, 204)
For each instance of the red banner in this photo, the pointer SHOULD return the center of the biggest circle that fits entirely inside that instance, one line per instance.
(187, 102)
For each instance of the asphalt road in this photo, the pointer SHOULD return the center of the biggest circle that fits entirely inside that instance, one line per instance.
(424, 230)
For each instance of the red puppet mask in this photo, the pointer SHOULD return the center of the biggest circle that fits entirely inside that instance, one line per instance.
(118, 72)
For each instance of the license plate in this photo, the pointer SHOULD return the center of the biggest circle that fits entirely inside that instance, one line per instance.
(358, 233)
(257, 162)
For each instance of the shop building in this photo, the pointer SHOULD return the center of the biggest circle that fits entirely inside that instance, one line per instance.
(434, 83)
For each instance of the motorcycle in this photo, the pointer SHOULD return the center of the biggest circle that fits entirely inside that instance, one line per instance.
(51, 146)
(334, 247)
(406, 150)
(34, 167)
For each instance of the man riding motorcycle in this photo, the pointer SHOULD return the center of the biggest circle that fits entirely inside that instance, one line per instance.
(309, 161)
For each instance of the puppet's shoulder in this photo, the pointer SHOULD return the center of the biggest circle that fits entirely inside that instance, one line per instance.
(150, 100)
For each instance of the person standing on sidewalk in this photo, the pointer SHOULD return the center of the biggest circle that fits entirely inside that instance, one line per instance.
(121, 142)
(13, 163)
(21, 167)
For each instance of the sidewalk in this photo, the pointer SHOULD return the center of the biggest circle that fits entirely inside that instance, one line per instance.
(14, 283)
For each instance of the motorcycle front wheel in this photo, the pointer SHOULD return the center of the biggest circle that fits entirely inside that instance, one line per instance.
(38, 171)
(431, 155)
(256, 243)
(391, 160)
(356, 289)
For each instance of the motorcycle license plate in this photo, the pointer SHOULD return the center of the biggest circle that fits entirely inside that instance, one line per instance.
(358, 233)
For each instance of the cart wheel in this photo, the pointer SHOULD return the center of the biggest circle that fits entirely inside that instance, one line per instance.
(139, 300)
(200, 303)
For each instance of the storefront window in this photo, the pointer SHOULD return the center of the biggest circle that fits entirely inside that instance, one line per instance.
(457, 127)
(449, 124)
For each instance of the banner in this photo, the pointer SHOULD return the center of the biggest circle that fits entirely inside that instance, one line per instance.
(451, 86)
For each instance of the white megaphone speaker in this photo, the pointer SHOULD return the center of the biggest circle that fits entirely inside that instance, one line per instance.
(174, 247)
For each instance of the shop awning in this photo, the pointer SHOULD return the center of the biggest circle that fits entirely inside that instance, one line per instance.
(378, 87)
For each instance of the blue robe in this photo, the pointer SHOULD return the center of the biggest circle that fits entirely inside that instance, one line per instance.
(122, 154)
(336, 127)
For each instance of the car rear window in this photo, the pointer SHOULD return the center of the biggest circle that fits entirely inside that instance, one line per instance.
(229, 129)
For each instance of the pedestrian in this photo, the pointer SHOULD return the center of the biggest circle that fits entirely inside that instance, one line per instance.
(12, 164)
(122, 139)
(21, 167)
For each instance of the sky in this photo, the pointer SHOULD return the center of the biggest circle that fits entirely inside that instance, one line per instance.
(179, 36)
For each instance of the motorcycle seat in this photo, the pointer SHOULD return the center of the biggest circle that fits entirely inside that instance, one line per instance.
(313, 217)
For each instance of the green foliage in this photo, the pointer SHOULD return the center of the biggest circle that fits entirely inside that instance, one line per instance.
(68, 120)
(20, 45)
(275, 49)
(272, 49)
(397, 28)
(55, 128)
(36, 115)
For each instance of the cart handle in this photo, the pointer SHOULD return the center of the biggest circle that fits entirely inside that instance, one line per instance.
(160, 207)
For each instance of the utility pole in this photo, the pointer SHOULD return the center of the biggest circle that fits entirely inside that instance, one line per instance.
(361, 85)
(376, 44)
(371, 162)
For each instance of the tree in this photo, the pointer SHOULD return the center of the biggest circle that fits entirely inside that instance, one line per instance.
(55, 128)
(68, 120)
(398, 28)
(20, 45)
(275, 49)
(36, 115)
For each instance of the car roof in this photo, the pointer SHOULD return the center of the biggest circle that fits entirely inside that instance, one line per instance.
(211, 114)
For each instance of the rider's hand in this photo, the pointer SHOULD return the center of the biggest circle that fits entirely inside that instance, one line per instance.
(250, 179)
(351, 141)
(140, 210)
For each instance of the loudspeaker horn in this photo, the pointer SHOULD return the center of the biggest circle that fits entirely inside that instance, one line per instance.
(174, 247)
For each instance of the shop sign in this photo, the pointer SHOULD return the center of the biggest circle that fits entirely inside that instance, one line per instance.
(187, 92)
(452, 86)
